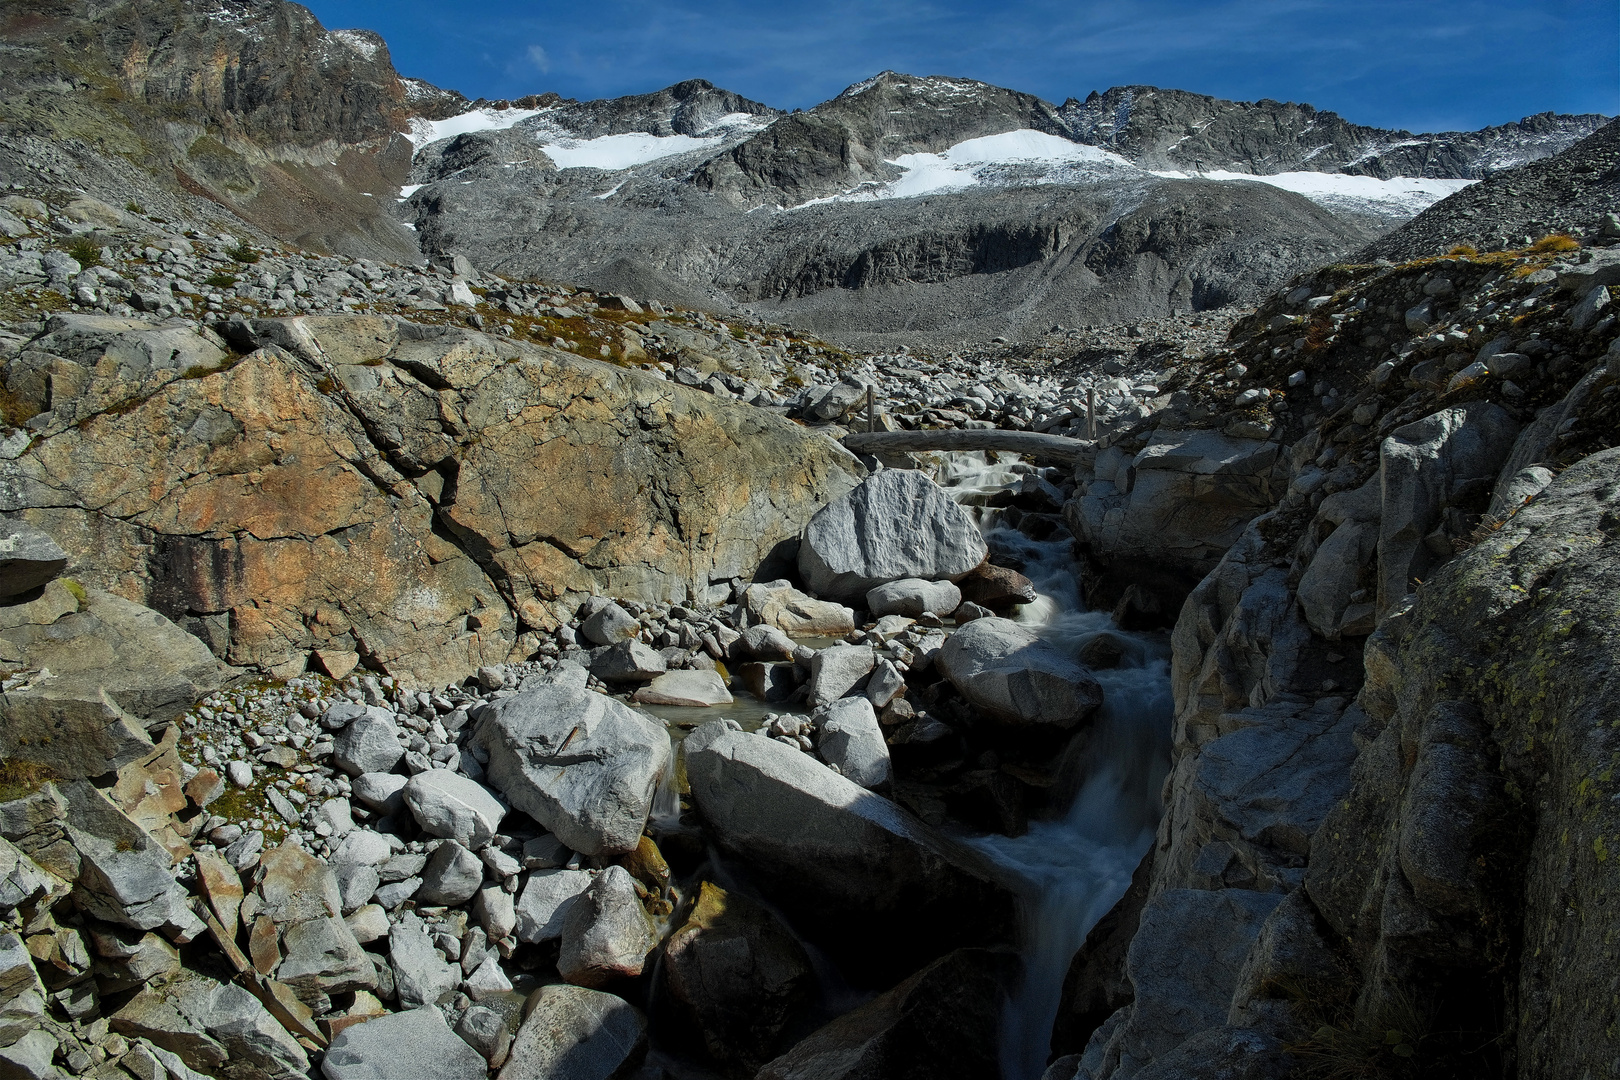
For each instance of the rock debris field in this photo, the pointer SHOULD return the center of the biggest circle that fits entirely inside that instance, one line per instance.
(492, 789)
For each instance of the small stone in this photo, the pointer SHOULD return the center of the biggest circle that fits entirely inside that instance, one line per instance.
(495, 911)
(611, 625)
(447, 805)
(241, 773)
(368, 923)
(487, 980)
(545, 902)
(383, 793)
(421, 975)
(487, 1031)
(451, 876)
(695, 689)
(369, 743)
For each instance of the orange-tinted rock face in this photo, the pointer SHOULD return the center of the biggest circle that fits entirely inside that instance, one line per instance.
(335, 500)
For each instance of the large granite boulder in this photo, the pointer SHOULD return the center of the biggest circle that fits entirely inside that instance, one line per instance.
(913, 597)
(735, 980)
(1016, 676)
(209, 1023)
(1181, 501)
(942, 1022)
(607, 933)
(391, 441)
(896, 524)
(298, 896)
(115, 666)
(412, 1045)
(574, 1033)
(867, 879)
(778, 604)
(582, 764)
(848, 737)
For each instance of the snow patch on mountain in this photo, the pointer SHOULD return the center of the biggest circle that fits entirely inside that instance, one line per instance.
(429, 131)
(631, 150)
(362, 42)
(1404, 195)
(1012, 159)
(615, 152)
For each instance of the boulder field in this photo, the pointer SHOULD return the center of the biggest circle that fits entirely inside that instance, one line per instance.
(321, 752)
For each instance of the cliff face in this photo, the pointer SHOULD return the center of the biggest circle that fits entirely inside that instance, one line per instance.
(249, 104)
(1389, 819)
(1470, 861)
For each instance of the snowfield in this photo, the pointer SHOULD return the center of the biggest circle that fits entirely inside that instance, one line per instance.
(428, 131)
(634, 149)
(1011, 159)
(1410, 195)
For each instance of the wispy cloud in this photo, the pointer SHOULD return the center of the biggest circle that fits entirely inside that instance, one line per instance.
(537, 57)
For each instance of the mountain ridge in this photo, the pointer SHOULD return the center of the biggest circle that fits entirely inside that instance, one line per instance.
(250, 111)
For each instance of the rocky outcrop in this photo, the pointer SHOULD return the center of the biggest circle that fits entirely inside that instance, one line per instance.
(1174, 129)
(297, 129)
(1494, 724)
(1377, 688)
(102, 670)
(1181, 500)
(1570, 190)
(351, 489)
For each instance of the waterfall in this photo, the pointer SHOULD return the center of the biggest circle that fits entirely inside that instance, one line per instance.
(1079, 864)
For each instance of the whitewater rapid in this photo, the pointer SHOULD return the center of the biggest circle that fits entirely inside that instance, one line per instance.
(1077, 865)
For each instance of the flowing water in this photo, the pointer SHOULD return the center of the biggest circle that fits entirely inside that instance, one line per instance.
(1079, 863)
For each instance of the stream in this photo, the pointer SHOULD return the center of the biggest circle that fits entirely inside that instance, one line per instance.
(1078, 864)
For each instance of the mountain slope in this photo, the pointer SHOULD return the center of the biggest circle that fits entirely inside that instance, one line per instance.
(249, 104)
(1571, 190)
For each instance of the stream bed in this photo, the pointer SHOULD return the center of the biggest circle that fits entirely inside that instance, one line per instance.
(1079, 863)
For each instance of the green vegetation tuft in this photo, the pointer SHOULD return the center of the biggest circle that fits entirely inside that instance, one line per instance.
(1554, 242)
(220, 281)
(85, 251)
(16, 411)
(19, 778)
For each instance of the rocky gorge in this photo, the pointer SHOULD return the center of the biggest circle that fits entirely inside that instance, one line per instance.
(446, 670)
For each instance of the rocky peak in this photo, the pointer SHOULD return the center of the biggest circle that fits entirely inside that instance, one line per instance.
(843, 143)
(1174, 129)
(692, 107)
(258, 68)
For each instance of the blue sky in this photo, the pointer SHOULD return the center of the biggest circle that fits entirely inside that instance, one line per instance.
(1424, 65)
